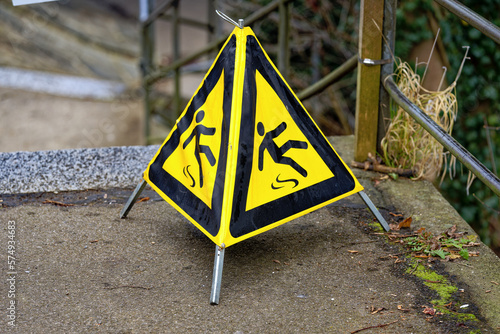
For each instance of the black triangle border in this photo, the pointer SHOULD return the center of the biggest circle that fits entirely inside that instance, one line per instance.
(243, 222)
(209, 219)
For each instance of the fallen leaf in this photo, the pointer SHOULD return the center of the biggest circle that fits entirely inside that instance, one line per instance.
(277, 261)
(406, 223)
(422, 256)
(471, 244)
(380, 309)
(452, 232)
(429, 310)
(435, 244)
(400, 307)
(394, 227)
(144, 199)
(454, 256)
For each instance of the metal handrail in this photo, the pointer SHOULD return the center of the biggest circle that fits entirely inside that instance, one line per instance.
(473, 18)
(264, 11)
(158, 12)
(316, 88)
(464, 156)
(446, 140)
(164, 70)
(255, 16)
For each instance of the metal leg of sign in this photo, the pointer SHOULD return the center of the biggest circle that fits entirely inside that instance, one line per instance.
(217, 275)
(374, 210)
(132, 199)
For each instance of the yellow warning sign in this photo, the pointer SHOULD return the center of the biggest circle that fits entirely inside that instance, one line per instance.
(194, 162)
(286, 160)
(245, 156)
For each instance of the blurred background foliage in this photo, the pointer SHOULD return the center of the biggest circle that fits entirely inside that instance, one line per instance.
(478, 94)
(325, 34)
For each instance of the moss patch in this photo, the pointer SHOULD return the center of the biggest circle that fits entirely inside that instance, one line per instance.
(442, 294)
(442, 286)
(375, 225)
(435, 282)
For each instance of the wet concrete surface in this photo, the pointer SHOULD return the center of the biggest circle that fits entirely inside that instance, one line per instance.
(82, 269)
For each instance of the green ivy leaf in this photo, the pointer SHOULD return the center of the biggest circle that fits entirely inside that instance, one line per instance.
(464, 253)
(439, 252)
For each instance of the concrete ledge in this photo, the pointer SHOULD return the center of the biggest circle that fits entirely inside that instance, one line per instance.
(95, 168)
(323, 272)
(74, 169)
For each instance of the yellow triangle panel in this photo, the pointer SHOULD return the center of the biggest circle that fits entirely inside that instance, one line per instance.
(293, 169)
(245, 156)
(286, 160)
(189, 169)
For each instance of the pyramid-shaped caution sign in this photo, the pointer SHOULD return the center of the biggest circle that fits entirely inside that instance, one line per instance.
(245, 156)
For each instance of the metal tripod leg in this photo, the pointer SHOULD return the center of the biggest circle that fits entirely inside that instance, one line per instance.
(217, 275)
(374, 210)
(133, 198)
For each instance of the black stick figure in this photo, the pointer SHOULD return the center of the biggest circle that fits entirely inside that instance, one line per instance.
(198, 131)
(276, 151)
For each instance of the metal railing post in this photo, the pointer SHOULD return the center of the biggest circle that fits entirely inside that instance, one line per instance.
(283, 38)
(147, 53)
(176, 56)
(368, 80)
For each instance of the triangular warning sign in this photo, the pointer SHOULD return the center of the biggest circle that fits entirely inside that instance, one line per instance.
(245, 156)
(286, 160)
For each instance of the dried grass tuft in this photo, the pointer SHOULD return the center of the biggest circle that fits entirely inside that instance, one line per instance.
(407, 144)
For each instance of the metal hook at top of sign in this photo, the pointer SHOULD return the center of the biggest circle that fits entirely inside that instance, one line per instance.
(238, 24)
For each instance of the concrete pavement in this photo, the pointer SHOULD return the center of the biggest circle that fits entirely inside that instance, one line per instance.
(82, 269)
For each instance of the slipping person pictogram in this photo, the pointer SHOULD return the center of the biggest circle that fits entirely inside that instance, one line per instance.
(276, 152)
(198, 131)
